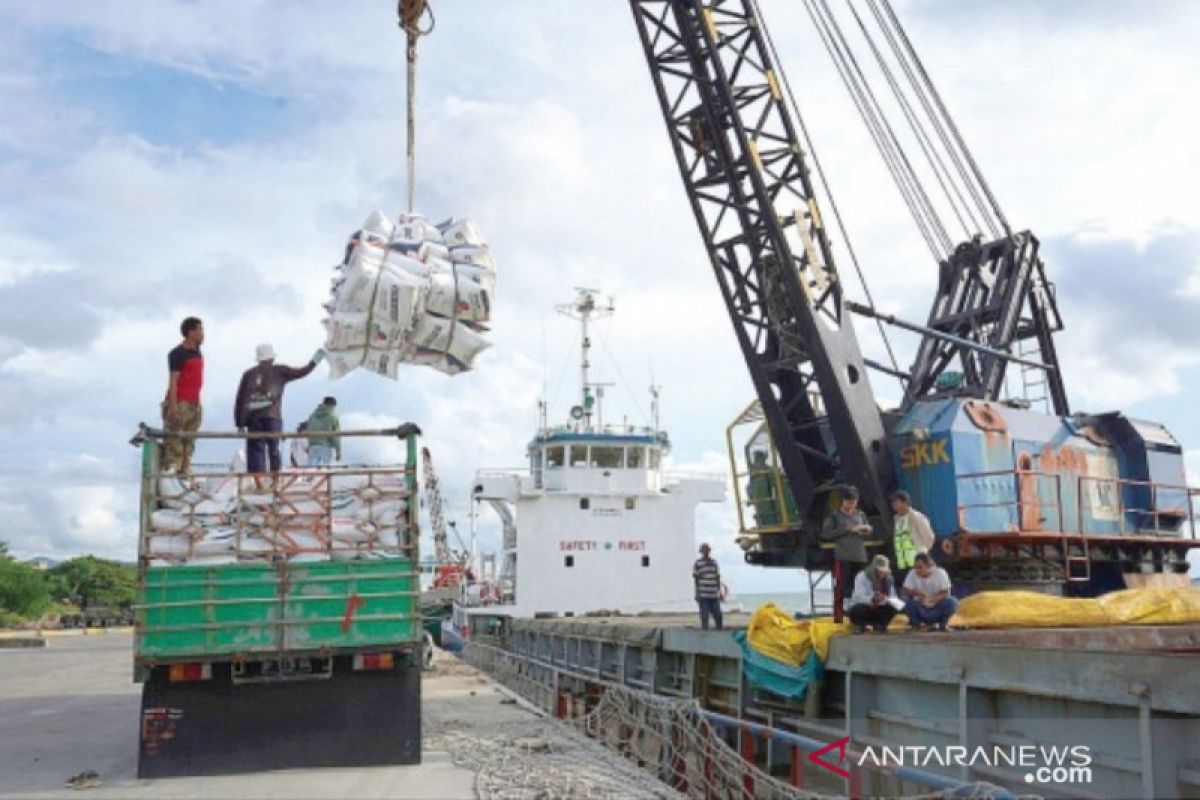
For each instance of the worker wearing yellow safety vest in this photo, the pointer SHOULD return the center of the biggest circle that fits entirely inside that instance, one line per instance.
(913, 533)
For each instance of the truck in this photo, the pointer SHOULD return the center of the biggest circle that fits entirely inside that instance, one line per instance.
(277, 622)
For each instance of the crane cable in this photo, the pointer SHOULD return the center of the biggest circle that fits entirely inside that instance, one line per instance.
(412, 15)
(919, 65)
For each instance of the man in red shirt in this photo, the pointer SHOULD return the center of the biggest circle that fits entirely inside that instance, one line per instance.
(181, 409)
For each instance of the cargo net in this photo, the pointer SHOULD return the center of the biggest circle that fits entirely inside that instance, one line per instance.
(229, 517)
(679, 752)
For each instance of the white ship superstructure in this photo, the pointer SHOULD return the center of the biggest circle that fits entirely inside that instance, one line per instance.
(595, 523)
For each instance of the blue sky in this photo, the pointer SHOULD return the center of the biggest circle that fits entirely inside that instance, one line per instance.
(169, 158)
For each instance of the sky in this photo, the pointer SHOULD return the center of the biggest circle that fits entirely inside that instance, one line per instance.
(163, 159)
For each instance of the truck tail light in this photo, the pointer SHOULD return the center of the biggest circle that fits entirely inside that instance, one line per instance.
(369, 661)
(183, 673)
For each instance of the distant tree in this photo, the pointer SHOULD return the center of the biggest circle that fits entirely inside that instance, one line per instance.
(89, 581)
(4, 556)
(22, 590)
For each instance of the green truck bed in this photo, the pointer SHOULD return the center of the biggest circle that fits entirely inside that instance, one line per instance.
(237, 567)
(243, 609)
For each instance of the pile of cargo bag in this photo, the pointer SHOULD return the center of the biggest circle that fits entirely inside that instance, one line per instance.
(298, 516)
(410, 292)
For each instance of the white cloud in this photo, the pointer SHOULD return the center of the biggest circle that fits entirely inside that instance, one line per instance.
(544, 127)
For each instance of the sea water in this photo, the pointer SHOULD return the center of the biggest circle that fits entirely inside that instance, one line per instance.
(794, 602)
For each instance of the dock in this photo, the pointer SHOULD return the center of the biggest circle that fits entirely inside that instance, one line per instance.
(1128, 695)
(72, 706)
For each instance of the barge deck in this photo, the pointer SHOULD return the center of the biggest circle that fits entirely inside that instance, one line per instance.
(1128, 698)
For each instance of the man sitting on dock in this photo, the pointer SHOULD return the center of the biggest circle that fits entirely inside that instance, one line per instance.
(874, 600)
(707, 576)
(927, 595)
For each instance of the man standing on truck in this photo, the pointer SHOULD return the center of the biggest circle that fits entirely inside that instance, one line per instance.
(323, 449)
(181, 408)
(259, 405)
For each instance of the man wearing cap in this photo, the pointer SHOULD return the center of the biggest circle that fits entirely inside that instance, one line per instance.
(847, 527)
(707, 576)
(323, 449)
(874, 601)
(913, 534)
(259, 405)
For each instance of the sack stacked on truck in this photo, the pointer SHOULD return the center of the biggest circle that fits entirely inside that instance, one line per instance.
(410, 292)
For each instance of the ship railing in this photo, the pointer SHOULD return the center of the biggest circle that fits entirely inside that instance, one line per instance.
(699, 752)
(501, 472)
(677, 475)
(1033, 509)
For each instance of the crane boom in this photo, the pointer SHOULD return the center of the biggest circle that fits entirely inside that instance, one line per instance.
(744, 171)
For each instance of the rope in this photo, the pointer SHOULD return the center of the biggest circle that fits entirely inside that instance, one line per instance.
(951, 190)
(893, 32)
(812, 152)
(662, 746)
(411, 13)
(937, 99)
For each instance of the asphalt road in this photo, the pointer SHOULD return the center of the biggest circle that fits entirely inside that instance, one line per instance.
(73, 706)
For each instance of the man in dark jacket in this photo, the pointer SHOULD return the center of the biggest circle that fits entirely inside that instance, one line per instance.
(847, 527)
(259, 405)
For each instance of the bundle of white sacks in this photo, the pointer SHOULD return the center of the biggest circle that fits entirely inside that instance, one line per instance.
(410, 292)
(199, 520)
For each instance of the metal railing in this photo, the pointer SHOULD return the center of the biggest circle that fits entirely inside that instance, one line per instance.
(1186, 509)
(1027, 495)
(332, 513)
(545, 684)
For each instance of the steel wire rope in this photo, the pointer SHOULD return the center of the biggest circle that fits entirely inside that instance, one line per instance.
(621, 375)
(923, 140)
(939, 128)
(931, 212)
(820, 169)
(410, 14)
(562, 371)
(937, 99)
(872, 127)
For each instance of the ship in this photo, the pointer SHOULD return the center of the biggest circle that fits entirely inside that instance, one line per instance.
(596, 523)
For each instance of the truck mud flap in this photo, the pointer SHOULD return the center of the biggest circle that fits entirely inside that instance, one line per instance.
(214, 727)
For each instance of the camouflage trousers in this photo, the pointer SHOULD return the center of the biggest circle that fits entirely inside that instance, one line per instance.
(177, 453)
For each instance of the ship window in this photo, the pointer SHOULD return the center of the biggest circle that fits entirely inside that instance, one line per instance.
(584, 503)
(578, 455)
(645, 561)
(630, 503)
(654, 456)
(636, 458)
(608, 457)
(568, 561)
(554, 456)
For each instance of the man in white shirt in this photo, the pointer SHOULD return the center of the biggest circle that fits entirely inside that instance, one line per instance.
(874, 600)
(927, 595)
(913, 533)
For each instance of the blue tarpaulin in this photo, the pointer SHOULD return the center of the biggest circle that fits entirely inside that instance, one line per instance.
(777, 677)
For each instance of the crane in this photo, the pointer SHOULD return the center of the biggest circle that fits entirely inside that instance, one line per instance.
(451, 564)
(1052, 498)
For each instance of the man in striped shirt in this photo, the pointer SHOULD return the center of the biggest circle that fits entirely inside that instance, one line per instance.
(707, 576)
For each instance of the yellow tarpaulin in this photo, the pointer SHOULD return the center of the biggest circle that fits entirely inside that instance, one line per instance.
(774, 633)
(1148, 606)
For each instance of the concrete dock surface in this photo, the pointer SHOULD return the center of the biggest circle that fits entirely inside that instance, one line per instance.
(72, 706)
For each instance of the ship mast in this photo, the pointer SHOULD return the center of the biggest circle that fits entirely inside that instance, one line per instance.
(585, 309)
